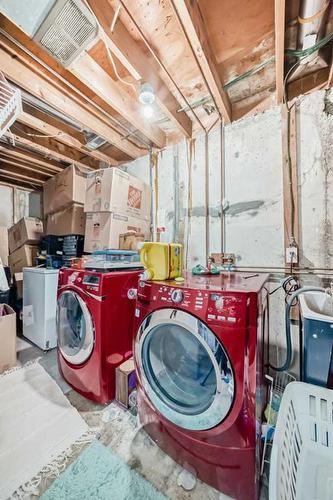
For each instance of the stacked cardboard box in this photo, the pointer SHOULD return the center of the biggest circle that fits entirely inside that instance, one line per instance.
(23, 239)
(63, 202)
(116, 203)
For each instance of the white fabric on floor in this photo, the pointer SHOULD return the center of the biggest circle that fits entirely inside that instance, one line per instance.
(37, 423)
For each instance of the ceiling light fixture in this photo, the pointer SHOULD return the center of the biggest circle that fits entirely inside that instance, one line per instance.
(146, 95)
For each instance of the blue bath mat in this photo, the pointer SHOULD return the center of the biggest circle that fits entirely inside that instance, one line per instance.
(98, 474)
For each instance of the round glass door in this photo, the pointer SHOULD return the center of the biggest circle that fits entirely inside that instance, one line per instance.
(185, 369)
(74, 328)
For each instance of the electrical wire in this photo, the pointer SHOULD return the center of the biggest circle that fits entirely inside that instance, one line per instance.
(310, 50)
(53, 136)
(105, 41)
(250, 72)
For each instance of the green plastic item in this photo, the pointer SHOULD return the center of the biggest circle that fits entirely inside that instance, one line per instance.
(201, 270)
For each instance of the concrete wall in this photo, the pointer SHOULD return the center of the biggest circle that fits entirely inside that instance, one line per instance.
(14, 204)
(253, 198)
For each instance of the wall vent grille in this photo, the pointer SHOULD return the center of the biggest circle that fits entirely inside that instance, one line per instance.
(67, 30)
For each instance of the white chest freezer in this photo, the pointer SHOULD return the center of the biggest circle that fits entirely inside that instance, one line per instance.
(40, 306)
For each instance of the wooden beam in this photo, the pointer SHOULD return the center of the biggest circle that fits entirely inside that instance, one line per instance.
(30, 157)
(193, 25)
(13, 173)
(280, 19)
(309, 83)
(27, 75)
(66, 82)
(290, 179)
(48, 146)
(241, 109)
(330, 74)
(24, 166)
(19, 184)
(139, 65)
(87, 69)
(48, 125)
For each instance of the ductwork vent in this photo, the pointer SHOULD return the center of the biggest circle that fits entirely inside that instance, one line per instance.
(67, 30)
(94, 141)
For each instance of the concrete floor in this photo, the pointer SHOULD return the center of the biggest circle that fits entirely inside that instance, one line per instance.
(120, 431)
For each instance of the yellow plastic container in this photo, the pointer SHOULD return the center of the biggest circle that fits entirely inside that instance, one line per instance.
(162, 261)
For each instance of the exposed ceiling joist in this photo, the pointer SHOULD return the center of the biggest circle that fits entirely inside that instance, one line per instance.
(309, 83)
(193, 26)
(280, 15)
(48, 125)
(13, 173)
(48, 146)
(30, 157)
(26, 74)
(67, 82)
(139, 65)
(87, 69)
(24, 166)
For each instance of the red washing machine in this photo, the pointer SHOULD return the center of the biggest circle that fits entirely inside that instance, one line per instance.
(199, 354)
(94, 326)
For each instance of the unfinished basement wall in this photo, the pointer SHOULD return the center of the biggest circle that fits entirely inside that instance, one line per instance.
(14, 204)
(252, 201)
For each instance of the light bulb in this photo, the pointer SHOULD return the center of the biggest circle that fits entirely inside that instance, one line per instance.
(148, 111)
(146, 95)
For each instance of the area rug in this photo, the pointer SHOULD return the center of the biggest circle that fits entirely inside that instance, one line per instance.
(38, 426)
(100, 475)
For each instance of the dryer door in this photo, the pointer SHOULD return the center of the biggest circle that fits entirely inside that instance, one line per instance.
(184, 369)
(74, 328)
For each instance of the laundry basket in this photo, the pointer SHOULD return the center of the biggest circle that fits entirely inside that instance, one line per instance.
(302, 453)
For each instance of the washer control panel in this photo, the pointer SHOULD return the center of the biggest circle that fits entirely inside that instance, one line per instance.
(219, 308)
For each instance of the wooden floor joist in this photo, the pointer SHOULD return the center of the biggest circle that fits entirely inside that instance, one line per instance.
(49, 147)
(91, 73)
(192, 23)
(40, 122)
(26, 74)
(140, 66)
(9, 151)
(23, 166)
(280, 15)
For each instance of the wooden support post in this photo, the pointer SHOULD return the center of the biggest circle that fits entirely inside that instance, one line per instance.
(290, 180)
(280, 12)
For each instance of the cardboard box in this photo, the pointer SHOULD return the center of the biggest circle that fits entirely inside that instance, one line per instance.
(4, 249)
(112, 190)
(25, 256)
(70, 220)
(63, 189)
(27, 230)
(130, 241)
(125, 381)
(103, 229)
(7, 338)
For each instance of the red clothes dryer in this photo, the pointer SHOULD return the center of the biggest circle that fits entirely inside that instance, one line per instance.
(199, 354)
(94, 327)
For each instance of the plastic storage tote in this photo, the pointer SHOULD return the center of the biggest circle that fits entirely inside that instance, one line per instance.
(302, 452)
(317, 336)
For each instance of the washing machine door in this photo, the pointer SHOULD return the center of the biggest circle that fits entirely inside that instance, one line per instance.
(74, 328)
(184, 369)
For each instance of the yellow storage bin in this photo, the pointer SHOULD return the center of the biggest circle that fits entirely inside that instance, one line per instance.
(162, 261)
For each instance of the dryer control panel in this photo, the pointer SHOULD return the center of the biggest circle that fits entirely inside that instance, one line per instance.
(222, 307)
